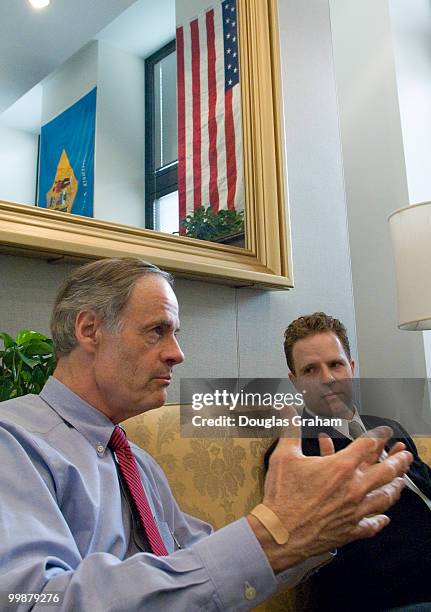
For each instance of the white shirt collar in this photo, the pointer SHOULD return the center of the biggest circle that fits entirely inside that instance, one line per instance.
(344, 427)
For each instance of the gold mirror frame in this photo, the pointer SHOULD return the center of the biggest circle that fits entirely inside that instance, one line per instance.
(266, 260)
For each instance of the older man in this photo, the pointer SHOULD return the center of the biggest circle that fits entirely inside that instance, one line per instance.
(391, 569)
(88, 518)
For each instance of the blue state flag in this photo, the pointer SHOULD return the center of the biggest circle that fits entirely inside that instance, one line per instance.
(66, 171)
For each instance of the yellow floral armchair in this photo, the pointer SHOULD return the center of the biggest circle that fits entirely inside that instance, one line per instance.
(217, 479)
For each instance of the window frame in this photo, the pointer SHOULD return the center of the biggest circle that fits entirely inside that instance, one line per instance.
(158, 182)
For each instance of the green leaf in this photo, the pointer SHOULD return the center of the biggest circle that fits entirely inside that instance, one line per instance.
(37, 347)
(26, 376)
(6, 389)
(31, 362)
(26, 335)
(8, 341)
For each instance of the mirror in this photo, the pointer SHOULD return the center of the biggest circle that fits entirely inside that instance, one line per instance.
(218, 210)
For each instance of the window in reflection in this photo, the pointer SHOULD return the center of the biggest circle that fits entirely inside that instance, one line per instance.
(161, 164)
(166, 217)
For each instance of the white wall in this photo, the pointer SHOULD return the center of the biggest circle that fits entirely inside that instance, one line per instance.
(375, 179)
(120, 137)
(18, 165)
(411, 28)
(70, 82)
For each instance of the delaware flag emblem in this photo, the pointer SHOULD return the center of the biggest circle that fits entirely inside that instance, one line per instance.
(63, 191)
(210, 156)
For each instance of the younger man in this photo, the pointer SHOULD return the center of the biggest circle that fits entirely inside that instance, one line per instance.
(393, 569)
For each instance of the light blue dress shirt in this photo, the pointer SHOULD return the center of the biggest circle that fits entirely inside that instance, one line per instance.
(65, 526)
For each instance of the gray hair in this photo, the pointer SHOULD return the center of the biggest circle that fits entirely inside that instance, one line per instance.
(104, 286)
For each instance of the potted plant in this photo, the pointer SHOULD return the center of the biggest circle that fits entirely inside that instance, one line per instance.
(220, 226)
(26, 362)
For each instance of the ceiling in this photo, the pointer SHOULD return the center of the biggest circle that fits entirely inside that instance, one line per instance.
(143, 28)
(34, 43)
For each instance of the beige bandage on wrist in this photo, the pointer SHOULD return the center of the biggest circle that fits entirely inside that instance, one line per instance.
(270, 520)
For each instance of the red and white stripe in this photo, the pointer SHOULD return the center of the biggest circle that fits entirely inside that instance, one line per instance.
(210, 156)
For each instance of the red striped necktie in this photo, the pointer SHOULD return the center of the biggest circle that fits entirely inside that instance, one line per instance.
(129, 470)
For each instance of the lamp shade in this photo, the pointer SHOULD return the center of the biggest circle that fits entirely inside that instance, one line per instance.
(411, 242)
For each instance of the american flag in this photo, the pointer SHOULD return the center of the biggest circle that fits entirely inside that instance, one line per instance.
(210, 158)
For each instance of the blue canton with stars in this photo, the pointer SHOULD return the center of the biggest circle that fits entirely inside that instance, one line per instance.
(230, 39)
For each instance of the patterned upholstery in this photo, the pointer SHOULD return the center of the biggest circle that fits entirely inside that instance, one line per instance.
(217, 479)
(424, 449)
